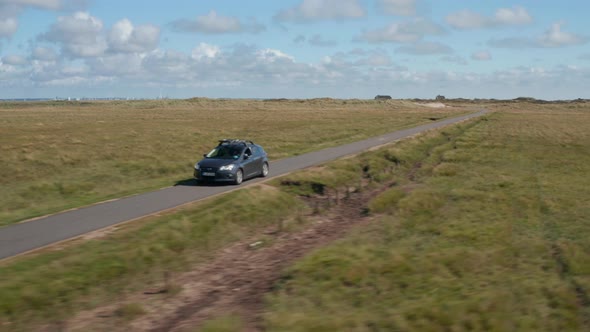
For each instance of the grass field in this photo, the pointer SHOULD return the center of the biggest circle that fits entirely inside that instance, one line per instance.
(485, 227)
(60, 155)
(40, 291)
(488, 231)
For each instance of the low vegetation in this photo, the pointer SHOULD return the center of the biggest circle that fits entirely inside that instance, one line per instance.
(221, 324)
(60, 155)
(485, 230)
(47, 288)
(479, 226)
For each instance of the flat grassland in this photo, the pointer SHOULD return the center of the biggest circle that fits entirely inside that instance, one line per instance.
(478, 226)
(487, 231)
(60, 155)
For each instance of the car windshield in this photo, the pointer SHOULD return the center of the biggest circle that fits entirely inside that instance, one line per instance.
(225, 152)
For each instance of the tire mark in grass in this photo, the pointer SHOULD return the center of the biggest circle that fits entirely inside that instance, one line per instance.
(550, 233)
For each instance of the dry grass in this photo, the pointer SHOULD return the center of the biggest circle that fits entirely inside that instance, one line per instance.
(59, 155)
(493, 238)
(47, 288)
(485, 228)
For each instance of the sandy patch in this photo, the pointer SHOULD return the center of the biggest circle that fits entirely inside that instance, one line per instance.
(433, 105)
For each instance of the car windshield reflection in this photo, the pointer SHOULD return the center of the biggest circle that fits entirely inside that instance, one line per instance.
(224, 152)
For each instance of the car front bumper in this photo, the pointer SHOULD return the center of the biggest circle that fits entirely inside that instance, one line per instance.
(220, 176)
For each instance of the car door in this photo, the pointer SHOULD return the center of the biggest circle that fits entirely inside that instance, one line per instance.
(249, 163)
(258, 159)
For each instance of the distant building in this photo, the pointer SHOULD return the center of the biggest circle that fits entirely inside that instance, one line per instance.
(382, 97)
(440, 98)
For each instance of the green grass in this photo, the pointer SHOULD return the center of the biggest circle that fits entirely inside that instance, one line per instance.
(491, 235)
(483, 227)
(130, 311)
(222, 324)
(50, 287)
(60, 155)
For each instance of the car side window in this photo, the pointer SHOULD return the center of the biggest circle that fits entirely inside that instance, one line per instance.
(248, 152)
(234, 153)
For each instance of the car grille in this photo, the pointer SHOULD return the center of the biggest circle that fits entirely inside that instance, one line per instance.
(208, 172)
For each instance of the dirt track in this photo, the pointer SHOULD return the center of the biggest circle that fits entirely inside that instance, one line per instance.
(234, 281)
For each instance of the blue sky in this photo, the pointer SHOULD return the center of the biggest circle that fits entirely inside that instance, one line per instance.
(295, 48)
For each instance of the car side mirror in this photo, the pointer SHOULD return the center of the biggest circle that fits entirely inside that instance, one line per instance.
(246, 157)
(204, 155)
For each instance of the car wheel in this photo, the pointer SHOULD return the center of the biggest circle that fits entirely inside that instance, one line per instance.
(239, 177)
(264, 172)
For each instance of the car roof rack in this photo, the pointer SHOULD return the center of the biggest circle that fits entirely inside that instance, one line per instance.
(235, 141)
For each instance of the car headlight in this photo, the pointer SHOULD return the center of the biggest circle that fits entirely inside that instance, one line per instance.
(197, 167)
(227, 167)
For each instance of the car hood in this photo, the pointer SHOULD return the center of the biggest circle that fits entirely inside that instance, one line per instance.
(211, 162)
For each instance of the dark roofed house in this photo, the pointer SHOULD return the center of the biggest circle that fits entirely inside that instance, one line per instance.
(382, 97)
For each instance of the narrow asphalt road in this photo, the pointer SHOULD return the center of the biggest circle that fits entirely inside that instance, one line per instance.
(20, 238)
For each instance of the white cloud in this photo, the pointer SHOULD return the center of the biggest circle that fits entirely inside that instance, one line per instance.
(44, 4)
(359, 52)
(75, 70)
(44, 54)
(167, 62)
(83, 35)
(555, 37)
(403, 32)
(204, 51)
(11, 9)
(169, 67)
(390, 33)
(454, 59)
(210, 67)
(14, 60)
(318, 40)
(348, 62)
(80, 35)
(515, 16)
(13, 76)
(334, 60)
(539, 82)
(124, 37)
(271, 55)
(116, 65)
(514, 42)
(467, 19)
(60, 74)
(8, 26)
(316, 10)
(17, 6)
(481, 56)
(397, 7)
(552, 38)
(299, 39)
(250, 71)
(425, 48)
(87, 49)
(212, 23)
(377, 58)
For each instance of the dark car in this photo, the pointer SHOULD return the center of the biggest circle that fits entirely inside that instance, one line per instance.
(232, 161)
